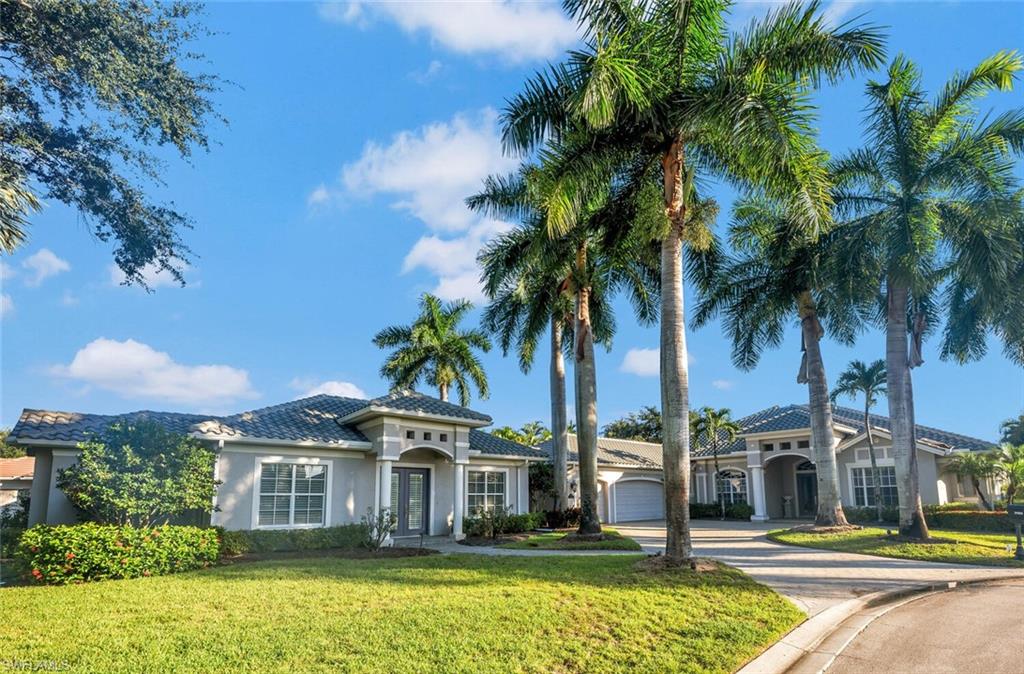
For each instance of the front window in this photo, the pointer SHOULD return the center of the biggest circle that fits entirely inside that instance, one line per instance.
(732, 486)
(486, 490)
(863, 486)
(292, 494)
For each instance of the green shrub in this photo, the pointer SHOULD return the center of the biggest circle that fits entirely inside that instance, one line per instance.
(346, 536)
(958, 506)
(738, 511)
(869, 514)
(561, 519)
(57, 555)
(969, 520)
(499, 521)
(9, 537)
(733, 511)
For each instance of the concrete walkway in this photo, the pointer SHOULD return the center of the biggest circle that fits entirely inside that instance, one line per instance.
(813, 579)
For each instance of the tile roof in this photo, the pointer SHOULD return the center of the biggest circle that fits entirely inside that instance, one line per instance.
(315, 419)
(616, 452)
(14, 469)
(634, 454)
(485, 443)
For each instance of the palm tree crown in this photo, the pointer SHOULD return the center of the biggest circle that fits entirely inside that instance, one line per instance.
(861, 380)
(435, 351)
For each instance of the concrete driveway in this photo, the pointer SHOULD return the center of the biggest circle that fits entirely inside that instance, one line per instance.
(813, 579)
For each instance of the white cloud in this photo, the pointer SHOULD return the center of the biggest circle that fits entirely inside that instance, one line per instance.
(517, 31)
(69, 299)
(839, 11)
(7, 272)
(723, 384)
(134, 369)
(42, 265)
(6, 305)
(642, 362)
(429, 172)
(428, 74)
(344, 389)
(154, 276)
(319, 196)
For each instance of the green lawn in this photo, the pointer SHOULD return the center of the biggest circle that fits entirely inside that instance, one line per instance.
(454, 613)
(969, 548)
(555, 540)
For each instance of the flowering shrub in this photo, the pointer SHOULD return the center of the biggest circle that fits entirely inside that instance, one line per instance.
(57, 555)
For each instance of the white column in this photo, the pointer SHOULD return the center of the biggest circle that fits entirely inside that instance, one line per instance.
(523, 488)
(385, 484)
(757, 487)
(460, 498)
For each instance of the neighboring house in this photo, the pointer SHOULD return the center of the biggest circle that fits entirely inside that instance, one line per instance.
(15, 479)
(318, 461)
(769, 466)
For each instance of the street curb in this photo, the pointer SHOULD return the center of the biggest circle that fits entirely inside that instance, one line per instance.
(802, 640)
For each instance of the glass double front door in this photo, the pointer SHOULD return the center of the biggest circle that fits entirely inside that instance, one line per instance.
(409, 500)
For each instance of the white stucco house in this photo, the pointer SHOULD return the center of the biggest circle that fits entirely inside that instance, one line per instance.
(318, 461)
(15, 479)
(769, 467)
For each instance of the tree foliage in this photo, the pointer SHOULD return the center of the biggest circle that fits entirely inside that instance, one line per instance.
(1012, 431)
(530, 434)
(140, 474)
(643, 425)
(8, 450)
(88, 90)
(434, 350)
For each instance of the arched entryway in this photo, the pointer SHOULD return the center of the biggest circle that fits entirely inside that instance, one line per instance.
(787, 481)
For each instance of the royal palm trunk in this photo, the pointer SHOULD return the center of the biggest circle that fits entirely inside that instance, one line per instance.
(675, 393)
(830, 508)
(442, 392)
(876, 477)
(586, 402)
(559, 425)
(901, 413)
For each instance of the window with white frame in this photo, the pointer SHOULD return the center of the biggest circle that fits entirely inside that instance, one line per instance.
(864, 486)
(732, 486)
(292, 494)
(485, 490)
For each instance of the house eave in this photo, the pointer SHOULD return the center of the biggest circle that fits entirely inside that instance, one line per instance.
(376, 411)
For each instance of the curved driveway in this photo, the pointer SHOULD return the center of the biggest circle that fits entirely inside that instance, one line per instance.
(813, 579)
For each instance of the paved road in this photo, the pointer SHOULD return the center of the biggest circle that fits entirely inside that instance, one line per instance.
(930, 635)
(813, 579)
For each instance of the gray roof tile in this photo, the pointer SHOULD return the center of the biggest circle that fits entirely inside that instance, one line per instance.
(631, 453)
(492, 445)
(412, 401)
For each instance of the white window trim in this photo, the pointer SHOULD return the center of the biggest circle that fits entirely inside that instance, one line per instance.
(470, 468)
(746, 481)
(277, 458)
(882, 463)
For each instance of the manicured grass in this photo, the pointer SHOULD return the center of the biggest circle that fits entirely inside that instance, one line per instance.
(556, 540)
(969, 548)
(455, 613)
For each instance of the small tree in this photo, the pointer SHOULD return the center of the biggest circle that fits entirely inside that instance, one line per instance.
(644, 425)
(977, 466)
(378, 527)
(140, 474)
(711, 426)
(1010, 466)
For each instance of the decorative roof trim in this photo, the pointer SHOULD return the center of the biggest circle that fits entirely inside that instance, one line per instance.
(377, 410)
(281, 442)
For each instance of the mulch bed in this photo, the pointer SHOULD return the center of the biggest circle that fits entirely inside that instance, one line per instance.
(813, 529)
(659, 563)
(339, 553)
(484, 541)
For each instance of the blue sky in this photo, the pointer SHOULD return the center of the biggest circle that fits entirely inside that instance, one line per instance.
(333, 198)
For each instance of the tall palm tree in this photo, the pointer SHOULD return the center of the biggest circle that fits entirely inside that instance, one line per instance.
(1012, 430)
(932, 205)
(779, 275)
(531, 276)
(435, 350)
(665, 95)
(976, 466)
(715, 426)
(869, 381)
(1010, 466)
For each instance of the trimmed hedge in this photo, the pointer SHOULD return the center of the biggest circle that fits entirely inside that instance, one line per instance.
(869, 515)
(346, 536)
(57, 555)
(498, 522)
(970, 520)
(709, 511)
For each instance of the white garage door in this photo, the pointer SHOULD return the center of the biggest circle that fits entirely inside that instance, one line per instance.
(639, 500)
